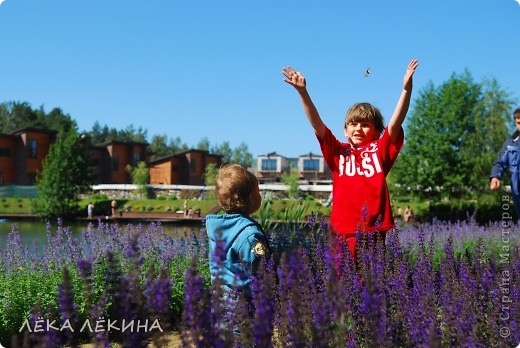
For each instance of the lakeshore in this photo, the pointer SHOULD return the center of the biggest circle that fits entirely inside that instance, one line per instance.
(119, 217)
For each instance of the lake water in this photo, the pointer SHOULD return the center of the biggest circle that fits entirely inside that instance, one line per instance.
(36, 231)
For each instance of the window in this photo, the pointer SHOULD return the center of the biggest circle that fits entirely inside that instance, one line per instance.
(32, 148)
(136, 159)
(115, 163)
(1, 178)
(311, 165)
(175, 168)
(4, 152)
(193, 166)
(269, 164)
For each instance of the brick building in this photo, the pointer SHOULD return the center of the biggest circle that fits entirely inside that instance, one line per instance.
(185, 168)
(109, 160)
(22, 153)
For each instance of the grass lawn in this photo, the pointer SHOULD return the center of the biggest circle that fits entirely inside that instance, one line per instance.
(276, 208)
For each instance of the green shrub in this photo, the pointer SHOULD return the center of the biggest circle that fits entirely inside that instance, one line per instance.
(99, 197)
(483, 210)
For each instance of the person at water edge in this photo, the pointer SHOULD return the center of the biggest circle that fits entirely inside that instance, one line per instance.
(113, 204)
(399, 215)
(408, 212)
(90, 208)
(242, 240)
(186, 207)
(359, 166)
(509, 157)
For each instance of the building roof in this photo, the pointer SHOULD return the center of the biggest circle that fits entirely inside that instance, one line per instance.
(183, 153)
(33, 129)
(310, 154)
(272, 154)
(119, 142)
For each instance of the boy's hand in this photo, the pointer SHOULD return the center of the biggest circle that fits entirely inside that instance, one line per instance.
(494, 184)
(294, 78)
(407, 82)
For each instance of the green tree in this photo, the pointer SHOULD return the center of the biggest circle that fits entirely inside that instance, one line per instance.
(18, 115)
(242, 156)
(291, 180)
(140, 176)
(239, 155)
(203, 144)
(160, 146)
(210, 175)
(104, 134)
(225, 151)
(64, 176)
(56, 119)
(453, 135)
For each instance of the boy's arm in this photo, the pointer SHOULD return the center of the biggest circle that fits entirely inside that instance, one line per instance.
(498, 168)
(394, 126)
(297, 80)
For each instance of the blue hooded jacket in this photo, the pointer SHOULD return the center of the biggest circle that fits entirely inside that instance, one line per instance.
(509, 157)
(242, 244)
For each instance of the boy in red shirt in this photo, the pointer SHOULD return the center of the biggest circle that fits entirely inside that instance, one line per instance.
(359, 167)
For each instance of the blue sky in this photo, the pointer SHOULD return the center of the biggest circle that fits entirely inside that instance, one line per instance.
(212, 69)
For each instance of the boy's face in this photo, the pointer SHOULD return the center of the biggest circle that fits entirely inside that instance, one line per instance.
(517, 122)
(361, 133)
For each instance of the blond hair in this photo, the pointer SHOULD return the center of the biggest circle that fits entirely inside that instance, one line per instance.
(233, 187)
(365, 112)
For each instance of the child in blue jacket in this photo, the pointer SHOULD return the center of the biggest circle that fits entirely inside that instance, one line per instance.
(242, 239)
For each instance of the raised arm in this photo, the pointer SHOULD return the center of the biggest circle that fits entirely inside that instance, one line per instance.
(297, 80)
(394, 126)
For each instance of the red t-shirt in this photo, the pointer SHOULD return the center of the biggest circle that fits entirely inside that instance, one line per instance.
(359, 192)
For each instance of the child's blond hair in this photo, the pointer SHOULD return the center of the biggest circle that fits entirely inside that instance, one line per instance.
(233, 187)
(365, 112)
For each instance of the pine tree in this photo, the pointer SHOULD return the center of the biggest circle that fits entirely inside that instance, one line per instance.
(65, 175)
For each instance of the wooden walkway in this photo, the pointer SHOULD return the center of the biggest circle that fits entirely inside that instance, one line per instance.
(154, 216)
(127, 217)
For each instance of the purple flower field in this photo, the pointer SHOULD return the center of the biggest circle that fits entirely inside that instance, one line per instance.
(433, 285)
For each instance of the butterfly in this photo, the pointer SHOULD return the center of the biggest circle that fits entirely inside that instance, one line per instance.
(367, 72)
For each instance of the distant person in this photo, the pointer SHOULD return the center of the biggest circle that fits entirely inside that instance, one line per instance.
(509, 157)
(359, 166)
(242, 240)
(90, 208)
(399, 215)
(186, 209)
(407, 213)
(114, 206)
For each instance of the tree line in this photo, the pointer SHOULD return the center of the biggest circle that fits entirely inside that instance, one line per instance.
(17, 115)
